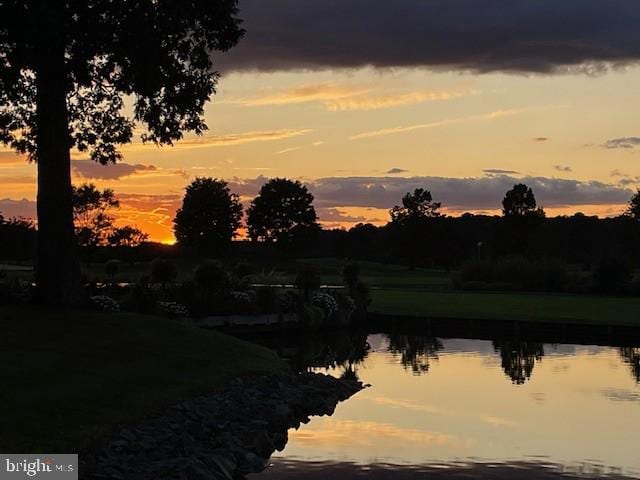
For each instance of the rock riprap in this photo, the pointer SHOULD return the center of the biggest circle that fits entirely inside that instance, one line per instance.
(221, 436)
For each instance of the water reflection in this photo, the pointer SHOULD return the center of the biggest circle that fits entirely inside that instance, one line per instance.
(519, 358)
(501, 406)
(631, 356)
(415, 351)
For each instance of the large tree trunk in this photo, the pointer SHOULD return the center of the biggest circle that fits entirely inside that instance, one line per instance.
(58, 268)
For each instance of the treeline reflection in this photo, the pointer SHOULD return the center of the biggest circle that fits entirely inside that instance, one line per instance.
(344, 352)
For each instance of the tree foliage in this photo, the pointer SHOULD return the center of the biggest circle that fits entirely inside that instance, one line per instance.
(66, 68)
(415, 206)
(520, 202)
(127, 236)
(282, 207)
(91, 217)
(210, 215)
(159, 53)
(634, 206)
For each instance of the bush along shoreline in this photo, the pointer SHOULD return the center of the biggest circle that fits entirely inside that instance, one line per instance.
(221, 436)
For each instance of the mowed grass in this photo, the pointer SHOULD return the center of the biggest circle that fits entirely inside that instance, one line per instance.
(380, 274)
(508, 306)
(68, 378)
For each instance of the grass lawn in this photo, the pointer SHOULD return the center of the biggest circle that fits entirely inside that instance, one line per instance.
(508, 306)
(67, 378)
(380, 274)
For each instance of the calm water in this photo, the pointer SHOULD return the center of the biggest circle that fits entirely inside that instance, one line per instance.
(463, 408)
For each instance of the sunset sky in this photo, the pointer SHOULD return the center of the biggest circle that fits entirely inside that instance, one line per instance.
(366, 100)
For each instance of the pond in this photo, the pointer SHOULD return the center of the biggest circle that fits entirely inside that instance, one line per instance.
(467, 408)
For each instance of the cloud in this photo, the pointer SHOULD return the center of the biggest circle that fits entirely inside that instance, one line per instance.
(305, 94)
(343, 98)
(93, 170)
(395, 171)
(12, 159)
(336, 216)
(499, 171)
(287, 150)
(456, 194)
(541, 139)
(241, 138)
(521, 36)
(624, 142)
(17, 208)
(423, 126)
(563, 168)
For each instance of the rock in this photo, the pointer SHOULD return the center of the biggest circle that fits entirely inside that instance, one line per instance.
(221, 436)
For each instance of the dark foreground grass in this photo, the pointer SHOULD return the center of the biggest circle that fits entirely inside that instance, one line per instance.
(68, 378)
(508, 306)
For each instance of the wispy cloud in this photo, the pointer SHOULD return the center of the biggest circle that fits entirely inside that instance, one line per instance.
(499, 171)
(230, 139)
(287, 150)
(11, 159)
(423, 126)
(337, 98)
(376, 102)
(563, 168)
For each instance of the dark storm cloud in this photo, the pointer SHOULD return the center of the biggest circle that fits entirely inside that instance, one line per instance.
(520, 36)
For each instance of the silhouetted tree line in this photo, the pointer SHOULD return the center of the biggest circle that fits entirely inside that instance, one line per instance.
(522, 249)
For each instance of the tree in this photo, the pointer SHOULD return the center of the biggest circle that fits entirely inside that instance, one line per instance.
(281, 207)
(127, 236)
(210, 215)
(163, 271)
(415, 206)
(65, 70)
(520, 202)
(633, 210)
(93, 224)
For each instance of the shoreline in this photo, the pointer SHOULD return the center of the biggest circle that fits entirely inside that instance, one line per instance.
(218, 436)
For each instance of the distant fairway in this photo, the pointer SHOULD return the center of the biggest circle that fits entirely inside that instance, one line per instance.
(508, 306)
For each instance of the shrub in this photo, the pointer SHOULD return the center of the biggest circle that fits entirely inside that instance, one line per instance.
(307, 281)
(266, 300)
(513, 272)
(326, 302)
(15, 292)
(111, 268)
(311, 316)
(105, 303)
(173, 310)
(142, 298)
(288, 302)
(351, 275)
(163, 271)
(613, 275)
(361, 295)
(243, 270)
(211, 276)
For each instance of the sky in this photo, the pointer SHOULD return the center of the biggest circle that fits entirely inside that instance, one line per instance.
(364, 100)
